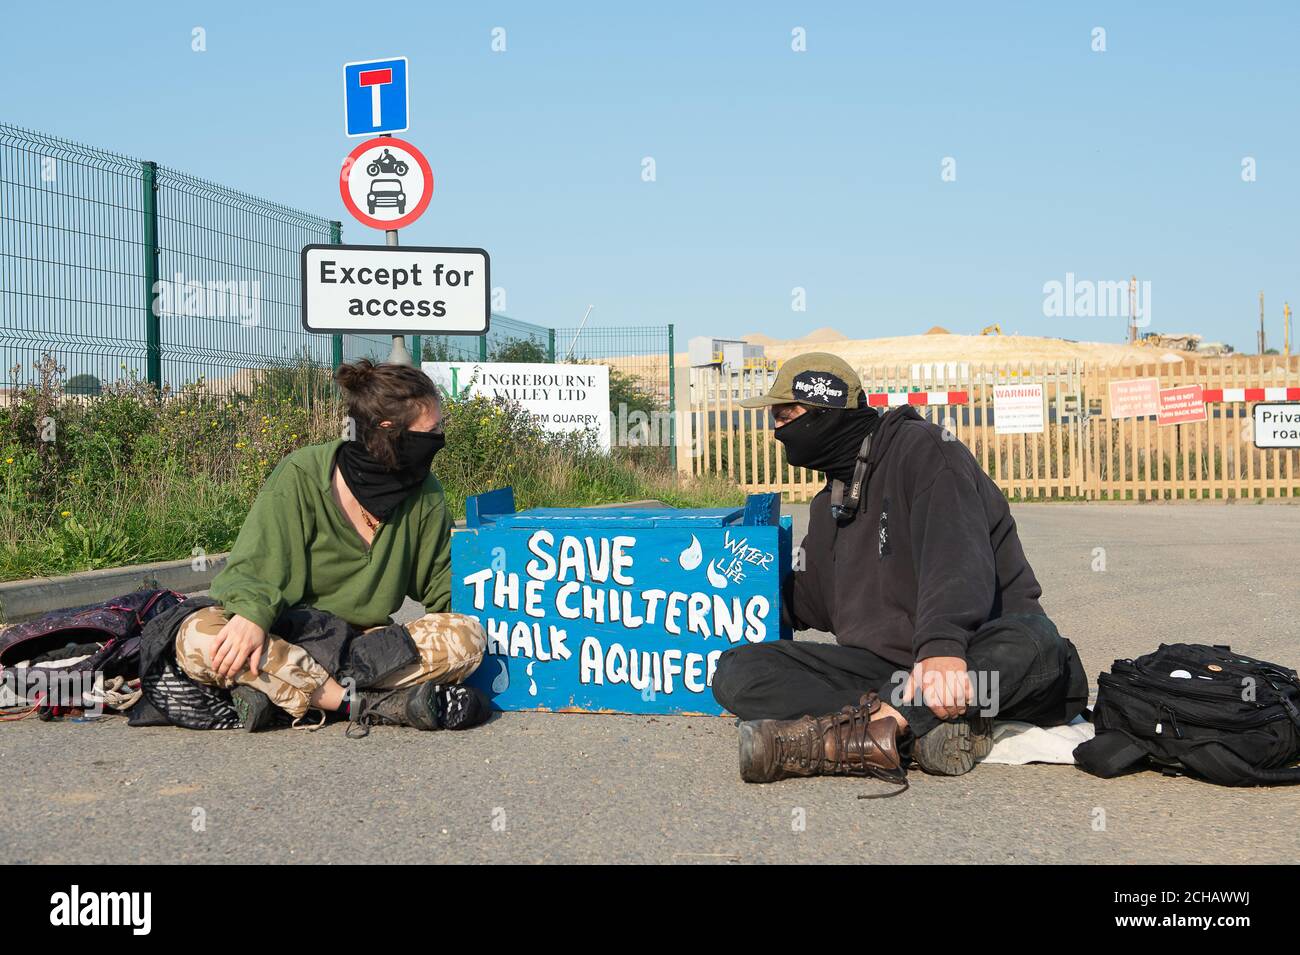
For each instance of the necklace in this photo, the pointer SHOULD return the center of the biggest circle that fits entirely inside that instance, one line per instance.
(371, 522)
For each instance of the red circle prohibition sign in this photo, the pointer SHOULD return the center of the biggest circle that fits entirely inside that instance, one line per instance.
(345, 175)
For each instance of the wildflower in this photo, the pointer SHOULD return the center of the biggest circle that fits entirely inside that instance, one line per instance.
(65, 513)
(9, 460)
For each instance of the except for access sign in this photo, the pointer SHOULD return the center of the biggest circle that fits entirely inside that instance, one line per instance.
(1277, 425)
(386, 183)
(374, 96)
(395, 290)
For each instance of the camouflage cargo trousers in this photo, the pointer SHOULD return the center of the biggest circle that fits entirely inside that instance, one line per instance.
(450, 645)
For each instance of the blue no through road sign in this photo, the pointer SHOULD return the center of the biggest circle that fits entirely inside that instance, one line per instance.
(375, 96)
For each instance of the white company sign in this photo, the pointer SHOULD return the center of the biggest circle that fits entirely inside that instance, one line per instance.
(559, 397)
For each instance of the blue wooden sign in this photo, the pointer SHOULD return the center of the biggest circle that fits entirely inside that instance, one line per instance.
(616, 610)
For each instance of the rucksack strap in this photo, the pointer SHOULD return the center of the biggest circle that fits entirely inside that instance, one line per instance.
(1290, 774)
(1222, 765)
(844, 502)
(1109, 753)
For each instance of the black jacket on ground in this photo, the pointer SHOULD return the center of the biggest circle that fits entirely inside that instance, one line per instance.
(930, 556)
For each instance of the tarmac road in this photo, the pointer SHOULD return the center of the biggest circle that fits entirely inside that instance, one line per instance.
(573, 788)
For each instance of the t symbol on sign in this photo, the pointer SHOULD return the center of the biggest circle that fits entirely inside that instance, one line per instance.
(375, 79)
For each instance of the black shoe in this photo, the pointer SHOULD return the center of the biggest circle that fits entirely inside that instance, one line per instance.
(462, 707)
(428, 706)
(254, 707)
(953, 748)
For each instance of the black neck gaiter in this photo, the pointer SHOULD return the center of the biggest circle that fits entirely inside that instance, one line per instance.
(379, 488)
(828, 439)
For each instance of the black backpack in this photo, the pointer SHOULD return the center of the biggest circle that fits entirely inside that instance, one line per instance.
(1225, 717)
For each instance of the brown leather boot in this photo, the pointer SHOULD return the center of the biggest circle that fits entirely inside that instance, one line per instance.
(847, 743)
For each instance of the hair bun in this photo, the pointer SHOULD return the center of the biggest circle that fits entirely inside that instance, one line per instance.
(354, 376)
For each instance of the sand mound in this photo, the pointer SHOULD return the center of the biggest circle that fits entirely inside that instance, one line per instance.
(939, 347)
(819, 336)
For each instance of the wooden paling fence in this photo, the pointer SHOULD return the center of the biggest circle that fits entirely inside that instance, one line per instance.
(1081, 453)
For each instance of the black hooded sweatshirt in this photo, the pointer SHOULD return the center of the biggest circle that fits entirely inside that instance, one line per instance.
(931, 555)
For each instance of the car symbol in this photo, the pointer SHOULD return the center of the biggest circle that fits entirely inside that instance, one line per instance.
(386, 192)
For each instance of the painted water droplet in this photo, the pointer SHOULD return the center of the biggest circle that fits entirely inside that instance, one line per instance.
(501, 682)
(715, 578)
(691, 556)
(532, 684)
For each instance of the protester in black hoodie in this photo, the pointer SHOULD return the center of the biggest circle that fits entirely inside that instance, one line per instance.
(912, 561)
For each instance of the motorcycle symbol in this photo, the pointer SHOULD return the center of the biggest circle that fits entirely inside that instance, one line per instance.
(387, 163)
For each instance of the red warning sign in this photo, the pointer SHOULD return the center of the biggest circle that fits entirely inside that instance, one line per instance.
(1182, 405)
(1135, 398)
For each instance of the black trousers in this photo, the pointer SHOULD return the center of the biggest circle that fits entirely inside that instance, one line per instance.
(1022, 666)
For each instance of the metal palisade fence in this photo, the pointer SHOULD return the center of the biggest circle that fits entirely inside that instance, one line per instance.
(119, 268)
(1086, 448)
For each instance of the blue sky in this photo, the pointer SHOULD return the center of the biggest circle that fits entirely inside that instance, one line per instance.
(775, 169)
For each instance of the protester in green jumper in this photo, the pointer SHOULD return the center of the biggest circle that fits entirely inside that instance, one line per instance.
(350, 527)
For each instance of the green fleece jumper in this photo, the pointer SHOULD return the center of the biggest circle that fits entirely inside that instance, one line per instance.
(298, 547)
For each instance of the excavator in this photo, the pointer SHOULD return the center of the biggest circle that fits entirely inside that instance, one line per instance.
(994, 329)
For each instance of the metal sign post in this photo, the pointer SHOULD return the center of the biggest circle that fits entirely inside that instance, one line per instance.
(399, 355)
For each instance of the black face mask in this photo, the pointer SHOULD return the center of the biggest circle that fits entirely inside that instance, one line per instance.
(828, 440)
(379, 488)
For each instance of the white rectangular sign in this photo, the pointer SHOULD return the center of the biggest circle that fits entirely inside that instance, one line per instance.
(559, 397)
(395, 290)
(1018, 409)
(1277, 425)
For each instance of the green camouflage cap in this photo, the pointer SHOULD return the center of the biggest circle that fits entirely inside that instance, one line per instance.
(817, 379)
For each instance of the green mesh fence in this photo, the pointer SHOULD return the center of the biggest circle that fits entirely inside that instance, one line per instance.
(507, 339)
(243, 254)
(71, 257)
(116, 267)
(639, 356)
(642, 384)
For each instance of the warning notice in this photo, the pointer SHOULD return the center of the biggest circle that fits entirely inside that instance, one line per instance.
(1182, 405)
(1134, 398)
(1018, 409)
